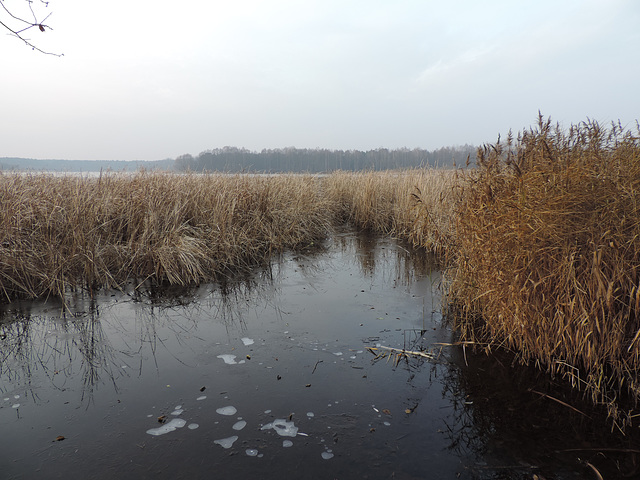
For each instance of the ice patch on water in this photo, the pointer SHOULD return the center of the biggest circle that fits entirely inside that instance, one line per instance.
(327, 455)
(352, 357)
(267, 412)
(15, 405)
(177, 412)
(192, 426)
(167, 427)
(338, 353)
(287, 443)
(247, 341)
(16, 396)
(228, 359)
(6, 399)
(201, 397)
(283, 427)
(226, 442)
(251, 452)
(310, 414)
(227, 410)
(239, 425)
(387, 424)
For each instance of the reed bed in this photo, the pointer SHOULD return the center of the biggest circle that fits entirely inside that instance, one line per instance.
(414, 205)
(60, 233)
(546, 256)
(63, 232)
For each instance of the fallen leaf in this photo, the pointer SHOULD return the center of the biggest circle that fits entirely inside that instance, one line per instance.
(162, 418)
(59, 438)
(386, 411)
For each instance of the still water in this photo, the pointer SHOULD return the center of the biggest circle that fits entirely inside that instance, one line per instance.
(283, 374)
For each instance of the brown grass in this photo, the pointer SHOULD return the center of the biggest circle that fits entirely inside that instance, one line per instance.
(414, 205)
(61, 232)
(546, 260)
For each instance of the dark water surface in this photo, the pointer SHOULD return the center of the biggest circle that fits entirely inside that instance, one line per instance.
(103, 373)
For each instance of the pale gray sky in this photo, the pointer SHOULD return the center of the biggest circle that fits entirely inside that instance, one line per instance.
(147, 80)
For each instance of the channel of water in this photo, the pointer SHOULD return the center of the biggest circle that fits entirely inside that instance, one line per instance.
(282, 374)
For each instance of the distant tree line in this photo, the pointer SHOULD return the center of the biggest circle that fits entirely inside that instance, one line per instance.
(319, 160)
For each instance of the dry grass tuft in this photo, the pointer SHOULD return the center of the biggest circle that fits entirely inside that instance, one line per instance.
(64, 232)
(413, 205)
(60, 233)
(547, 255)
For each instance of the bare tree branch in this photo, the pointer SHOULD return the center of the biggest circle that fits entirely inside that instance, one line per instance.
(27, 25)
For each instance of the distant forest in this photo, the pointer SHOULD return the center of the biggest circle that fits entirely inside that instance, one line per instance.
(233, 159)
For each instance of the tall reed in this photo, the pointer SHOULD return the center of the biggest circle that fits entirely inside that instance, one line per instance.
(546, 260)
(415, 205)
(64, 232)
(61, 232)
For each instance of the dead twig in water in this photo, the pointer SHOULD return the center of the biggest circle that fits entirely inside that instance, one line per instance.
(559, 401)
(401, 352)
(595, 470)
(316, 366)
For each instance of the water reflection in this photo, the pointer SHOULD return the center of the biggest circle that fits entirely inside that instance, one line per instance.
(517, 420)
(302, 325)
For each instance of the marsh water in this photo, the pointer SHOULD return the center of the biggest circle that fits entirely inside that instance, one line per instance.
(284, 373)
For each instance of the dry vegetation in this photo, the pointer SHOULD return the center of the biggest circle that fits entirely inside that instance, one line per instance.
(541, 241)
(546, 258)
(60, 233)
(413, 205)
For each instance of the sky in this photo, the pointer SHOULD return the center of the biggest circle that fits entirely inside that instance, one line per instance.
(149, 80)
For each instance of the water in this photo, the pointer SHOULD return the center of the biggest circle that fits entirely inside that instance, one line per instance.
(280, 374)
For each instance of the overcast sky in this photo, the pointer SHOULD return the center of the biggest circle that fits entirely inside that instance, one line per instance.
(154, 79)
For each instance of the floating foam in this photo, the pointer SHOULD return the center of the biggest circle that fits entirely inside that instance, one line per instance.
(167, 427)
(251, 452)
(310, 414)
(226, 442)
(201, 397)
(228, 359)
(15, 405)
(247, 341)
(338, 353)
(239, 425)
(227, 410)
(283, 427)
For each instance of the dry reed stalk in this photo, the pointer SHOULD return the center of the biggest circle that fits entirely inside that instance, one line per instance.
(64, 232)
(547, 256)
(414, 205)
